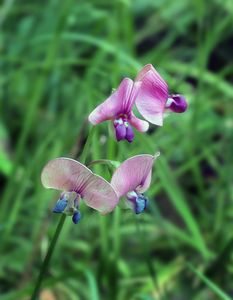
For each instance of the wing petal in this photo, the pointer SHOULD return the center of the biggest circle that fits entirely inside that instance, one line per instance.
(134, 174)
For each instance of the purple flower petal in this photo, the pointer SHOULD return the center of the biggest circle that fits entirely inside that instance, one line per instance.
(139, 124)
(177, 103)
(129, 134)
(130, 98)
(153, 95)
(70, 175)
(134, 174)
(120, 131)
(119, 102)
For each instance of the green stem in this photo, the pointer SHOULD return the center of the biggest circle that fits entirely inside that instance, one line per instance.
(148, 260)
(53, 243)
(48, 256)
(86, 147)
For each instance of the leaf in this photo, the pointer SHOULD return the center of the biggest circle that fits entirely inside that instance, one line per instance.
(217, 290)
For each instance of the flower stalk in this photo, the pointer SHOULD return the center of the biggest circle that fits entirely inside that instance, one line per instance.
(58, 230)
(48, 256)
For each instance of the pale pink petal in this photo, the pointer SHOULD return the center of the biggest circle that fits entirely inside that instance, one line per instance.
(133, 174)
(153, 95)
(146, 184)
(65, 174)
(99, 194)
(114, 105)
(69, 175)
(139, 124)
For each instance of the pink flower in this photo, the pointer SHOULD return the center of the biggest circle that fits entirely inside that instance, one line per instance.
(153, 98)
(132, 178)
(118, 108)
(78, 182)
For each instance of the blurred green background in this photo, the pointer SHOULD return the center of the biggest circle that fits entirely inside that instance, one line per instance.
(59, 59)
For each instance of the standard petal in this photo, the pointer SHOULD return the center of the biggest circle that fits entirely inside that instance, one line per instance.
(133, 174)
(139, 124)
(70, 175)
(130, 98)
(65, 174)
(114, 105)
(153, 95)
(99, 194)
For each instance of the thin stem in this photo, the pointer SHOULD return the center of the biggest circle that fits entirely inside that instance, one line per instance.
(86, 147)
(53, 243)
(149, 262)
(48, 256)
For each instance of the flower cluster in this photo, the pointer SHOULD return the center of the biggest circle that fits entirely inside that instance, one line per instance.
(149, 92)
(77, 182)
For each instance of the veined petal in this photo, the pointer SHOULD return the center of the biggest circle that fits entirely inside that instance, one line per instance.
(146, 184)
(65, 174)
(114, 105)
(129, 99)
(100, 195)
(133, 174)
(139, 124)
(153, 95)
(70, 175)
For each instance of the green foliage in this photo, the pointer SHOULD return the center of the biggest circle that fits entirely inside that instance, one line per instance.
(59, 59)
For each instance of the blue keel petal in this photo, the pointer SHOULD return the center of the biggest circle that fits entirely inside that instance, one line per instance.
(76, 217)
(60, 206)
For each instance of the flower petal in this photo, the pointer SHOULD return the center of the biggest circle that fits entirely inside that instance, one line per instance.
(136, 202)
(153, 95)
(60, 206)
(65, 174)
(129, 134)
(120, 132)
(100, 195)
(146, 183)
(70, 175)
(133, 174)
(177, 103)
(130, 98)
(116, 104)
(76, 217)
(139, 124)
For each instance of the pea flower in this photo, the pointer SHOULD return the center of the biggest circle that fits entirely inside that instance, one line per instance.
(77, 182)
(132, 178)
(153, 98)
(118, 108)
